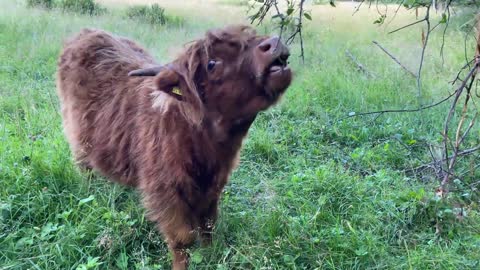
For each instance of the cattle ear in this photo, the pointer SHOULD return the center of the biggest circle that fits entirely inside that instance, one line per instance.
(168, 81)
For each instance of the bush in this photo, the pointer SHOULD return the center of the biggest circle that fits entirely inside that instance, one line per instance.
(41, 3)
(82, 6)
(153, 14)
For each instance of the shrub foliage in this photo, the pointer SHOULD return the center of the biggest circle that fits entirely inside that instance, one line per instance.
(41, 3)
(153, 14)
(77, 6)
(82, 6)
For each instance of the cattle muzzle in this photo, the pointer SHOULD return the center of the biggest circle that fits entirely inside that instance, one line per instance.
(274, 54)
(271, 57)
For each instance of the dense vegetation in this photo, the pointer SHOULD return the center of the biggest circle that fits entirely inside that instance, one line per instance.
(315, 190)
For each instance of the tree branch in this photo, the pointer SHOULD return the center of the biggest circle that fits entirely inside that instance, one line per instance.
(436, 162)
(470, 77)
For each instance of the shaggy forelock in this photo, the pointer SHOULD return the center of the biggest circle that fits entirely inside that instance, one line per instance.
(190, 60)
(239, 35)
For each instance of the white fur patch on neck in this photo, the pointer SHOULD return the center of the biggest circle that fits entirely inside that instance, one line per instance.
(161, 101)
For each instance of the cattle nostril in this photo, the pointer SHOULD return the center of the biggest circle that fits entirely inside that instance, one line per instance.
(265, 47)
(271, 45)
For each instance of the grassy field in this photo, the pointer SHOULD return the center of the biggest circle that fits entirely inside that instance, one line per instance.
(313, 191)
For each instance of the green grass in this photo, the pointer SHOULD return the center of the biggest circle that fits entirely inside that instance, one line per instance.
(313, 191)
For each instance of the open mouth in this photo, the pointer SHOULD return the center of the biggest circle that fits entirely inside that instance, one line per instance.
(279, 64)
(278, 76)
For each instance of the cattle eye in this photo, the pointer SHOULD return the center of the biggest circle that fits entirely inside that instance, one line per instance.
(211, 65)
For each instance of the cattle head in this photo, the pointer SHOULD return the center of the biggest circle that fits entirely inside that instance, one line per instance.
(231, 74)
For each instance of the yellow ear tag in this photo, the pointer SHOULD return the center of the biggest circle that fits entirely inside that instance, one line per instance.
(176, 90)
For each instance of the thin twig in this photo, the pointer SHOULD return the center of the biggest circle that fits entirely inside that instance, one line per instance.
(419, 74)
(396, 12)
(467, 34)
(458, 139)
(394, 59)
(460, 72)
(298, 31)
(465, 133)
(259, 16)
(282, 18)
(359, 65)
(447, 23)
(408, 25)
(358, 8)
(402, 111)
(436, 162)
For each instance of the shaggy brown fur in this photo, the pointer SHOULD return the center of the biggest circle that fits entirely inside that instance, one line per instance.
(177, 148)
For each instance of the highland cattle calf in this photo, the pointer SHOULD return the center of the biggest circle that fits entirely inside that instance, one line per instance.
(172, 131)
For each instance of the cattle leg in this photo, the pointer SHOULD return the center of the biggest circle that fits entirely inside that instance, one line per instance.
(207, 223)
(176, 223)
(179, 238)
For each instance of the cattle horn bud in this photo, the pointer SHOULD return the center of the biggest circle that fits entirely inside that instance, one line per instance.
(152, 71)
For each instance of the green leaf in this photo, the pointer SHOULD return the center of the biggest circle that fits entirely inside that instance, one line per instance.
(64, 214)
(47, 229)
(361, 252)
(444, 18)
(386, 147)
(307, 16)
(286, 22)
(91, 264)
(86, 200)
(24, 241)
(380, 20)
(196, 257)
(289, 11)
(122, 261)
(448, 211)
(288, 258)
(332, 3)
